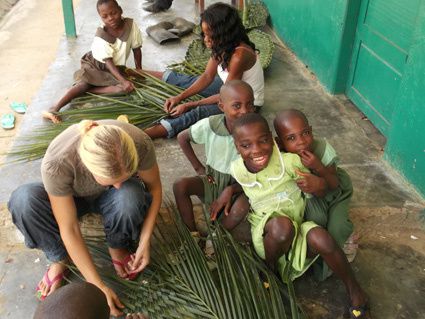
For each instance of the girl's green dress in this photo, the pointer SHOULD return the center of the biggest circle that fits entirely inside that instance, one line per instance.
(273, 192)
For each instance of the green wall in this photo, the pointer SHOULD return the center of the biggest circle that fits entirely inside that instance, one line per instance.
(405, 148)
(320, 32)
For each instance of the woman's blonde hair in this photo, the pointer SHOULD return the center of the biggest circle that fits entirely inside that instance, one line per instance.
(107, 150)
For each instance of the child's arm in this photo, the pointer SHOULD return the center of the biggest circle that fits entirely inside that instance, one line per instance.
(137, 53)
(184, 141)
(126, 84)
(224, 200)
(328, 173)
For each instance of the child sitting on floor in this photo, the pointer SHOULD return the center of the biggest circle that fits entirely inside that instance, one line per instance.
(330, 185)
(278, 229)
(236, 99)
(102, 69)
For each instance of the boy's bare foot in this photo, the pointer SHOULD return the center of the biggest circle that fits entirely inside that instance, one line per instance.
(52, 279)
(120, 258)
(52, 117)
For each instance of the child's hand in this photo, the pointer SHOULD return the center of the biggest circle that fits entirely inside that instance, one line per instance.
(224, 200)
(201, 171)
(310, 160)
(127, 86)
(310, 183)
(180, 109)
(171, 102)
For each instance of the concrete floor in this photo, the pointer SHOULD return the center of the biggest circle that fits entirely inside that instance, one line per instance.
(390, 262)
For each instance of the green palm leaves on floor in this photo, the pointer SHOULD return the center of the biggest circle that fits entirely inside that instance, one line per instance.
(143, 107)
(181, 282)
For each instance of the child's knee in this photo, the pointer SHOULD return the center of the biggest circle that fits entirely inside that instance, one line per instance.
(240, 208)
(180, 187)
(320, 241)
(280, 230)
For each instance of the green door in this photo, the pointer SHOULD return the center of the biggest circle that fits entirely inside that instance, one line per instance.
(383, 37)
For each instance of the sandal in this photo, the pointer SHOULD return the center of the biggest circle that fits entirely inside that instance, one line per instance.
(122, 264)
(19, 107)
(49, 282)
(8, 121)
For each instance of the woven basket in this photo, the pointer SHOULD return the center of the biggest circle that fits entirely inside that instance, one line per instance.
(254, 15)
(264, 44)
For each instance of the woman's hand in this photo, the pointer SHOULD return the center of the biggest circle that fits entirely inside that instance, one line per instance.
(113, 302)
(171, 102)
(140, 259)
(180, 109)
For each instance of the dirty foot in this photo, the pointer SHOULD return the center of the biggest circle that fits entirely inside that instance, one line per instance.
(52, 117)
(51, 280)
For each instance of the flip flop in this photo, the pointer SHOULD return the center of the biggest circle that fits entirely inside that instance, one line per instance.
(122, 264)
(8, 121)
(49, 283)
(19, 107)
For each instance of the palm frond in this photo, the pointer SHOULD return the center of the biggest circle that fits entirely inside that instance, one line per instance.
(143, 107)
(181, 282)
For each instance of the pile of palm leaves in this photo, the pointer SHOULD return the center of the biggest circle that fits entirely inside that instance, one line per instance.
(143, 107)
(181, 282)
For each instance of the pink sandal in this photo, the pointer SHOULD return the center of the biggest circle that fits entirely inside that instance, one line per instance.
(49, 283)
(122, 264)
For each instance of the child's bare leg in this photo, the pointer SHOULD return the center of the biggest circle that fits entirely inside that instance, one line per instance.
(279, 233)
(183, 189)
(238, 212)
(107, 89)
(75, 91)
(156, 74)
(156, 131)
(321, 242)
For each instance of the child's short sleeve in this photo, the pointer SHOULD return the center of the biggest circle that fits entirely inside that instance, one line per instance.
(329, 157)
(136, 36)
(199, 131)
(325, 152)
(101, 49)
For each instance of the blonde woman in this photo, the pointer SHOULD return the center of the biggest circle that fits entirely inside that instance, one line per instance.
(107, 167)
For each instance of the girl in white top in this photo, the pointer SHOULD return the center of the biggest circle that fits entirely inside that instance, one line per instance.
(102, 68)
(233, 58)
